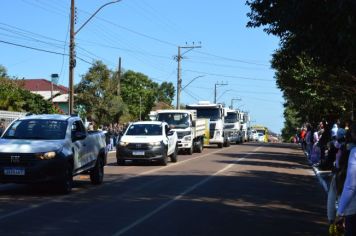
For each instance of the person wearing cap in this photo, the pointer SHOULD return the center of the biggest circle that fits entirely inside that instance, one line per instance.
(347, 205)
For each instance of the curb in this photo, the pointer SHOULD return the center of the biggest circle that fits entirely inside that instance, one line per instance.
(318, 173)
(321, 179)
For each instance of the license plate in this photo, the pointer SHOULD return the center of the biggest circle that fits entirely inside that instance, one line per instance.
(138, 153)
(14, 171)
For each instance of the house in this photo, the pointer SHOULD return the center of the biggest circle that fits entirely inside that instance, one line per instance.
(48, 90)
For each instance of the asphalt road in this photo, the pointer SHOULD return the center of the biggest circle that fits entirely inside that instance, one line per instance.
(249, 189)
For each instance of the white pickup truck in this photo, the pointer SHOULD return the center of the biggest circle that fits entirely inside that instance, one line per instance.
(147, 141)
(51, 148)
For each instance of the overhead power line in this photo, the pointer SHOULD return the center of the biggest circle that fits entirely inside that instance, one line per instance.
(132, 31)
(42, 50)
(229, 76)
(232, 59)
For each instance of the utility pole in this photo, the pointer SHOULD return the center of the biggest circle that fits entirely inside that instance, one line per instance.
(140, 108)
(216, 84)
(179, 71)
(119, 78)
(72, 61)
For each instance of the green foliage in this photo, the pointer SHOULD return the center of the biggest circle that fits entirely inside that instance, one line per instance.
(165, 93)
(14, 98)
(316, 63)
(139, 93)
(290, 123)
(3, 72)
(96, 95)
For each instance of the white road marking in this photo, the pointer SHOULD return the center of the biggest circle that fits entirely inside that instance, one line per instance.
(190, 189)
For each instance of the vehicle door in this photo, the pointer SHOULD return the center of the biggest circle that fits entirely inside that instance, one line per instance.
(79, 143)
(170, 134)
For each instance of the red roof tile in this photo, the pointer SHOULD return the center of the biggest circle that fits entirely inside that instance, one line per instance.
(42, 85)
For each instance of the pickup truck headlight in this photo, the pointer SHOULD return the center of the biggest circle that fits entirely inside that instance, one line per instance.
(188, 138)
(46, 155)
(124, 144)
(155, 143)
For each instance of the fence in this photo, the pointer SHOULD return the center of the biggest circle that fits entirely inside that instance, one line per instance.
(9, 116)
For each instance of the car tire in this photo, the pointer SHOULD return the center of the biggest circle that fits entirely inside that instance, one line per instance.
(97, 173)
(200, 146)
(220, 145)
(164, 159)
(174, 156)
(65, 185)
(120, 162)
(190, 150)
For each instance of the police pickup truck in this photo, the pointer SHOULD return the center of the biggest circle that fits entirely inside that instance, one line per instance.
(51, 148)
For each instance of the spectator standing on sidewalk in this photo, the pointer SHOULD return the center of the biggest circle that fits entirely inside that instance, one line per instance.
(315, 153)
(347, 203)
(309, 141)
(339, 174)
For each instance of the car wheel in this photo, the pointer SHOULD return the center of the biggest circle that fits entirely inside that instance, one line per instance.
(175, 154)
(190, 150)
(164, 159)
(65, 185)
(120, 162)
(200, 146)
(220, 145)
(97, 173)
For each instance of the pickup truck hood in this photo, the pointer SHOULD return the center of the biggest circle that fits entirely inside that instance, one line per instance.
(29, 146)
(140, 139)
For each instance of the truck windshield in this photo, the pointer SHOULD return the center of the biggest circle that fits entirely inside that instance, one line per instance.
(37, 129)
(210, 113)
(231, 117)
(175, 120)
(144, 129)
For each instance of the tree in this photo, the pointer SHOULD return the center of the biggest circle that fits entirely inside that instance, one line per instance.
(165, 93)
(316, 62)
(96, 95)
(139, 93)
(3, 72)
(290, 123)
(15, 98)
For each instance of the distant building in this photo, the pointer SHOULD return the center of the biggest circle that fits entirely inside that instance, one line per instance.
(45, 88)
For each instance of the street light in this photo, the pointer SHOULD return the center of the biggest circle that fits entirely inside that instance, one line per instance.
(192, 81)
(228, 90)
(232, 100)
(72, 61)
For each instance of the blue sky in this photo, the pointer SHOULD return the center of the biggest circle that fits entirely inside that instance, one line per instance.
(146, 35)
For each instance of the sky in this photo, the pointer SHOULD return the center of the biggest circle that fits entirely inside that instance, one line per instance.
(146, 35)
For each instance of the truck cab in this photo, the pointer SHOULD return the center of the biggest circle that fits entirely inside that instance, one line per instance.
(232, 126)
(216, 114)
(190, 129)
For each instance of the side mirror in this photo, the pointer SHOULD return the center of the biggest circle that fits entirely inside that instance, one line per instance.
(79, 136)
